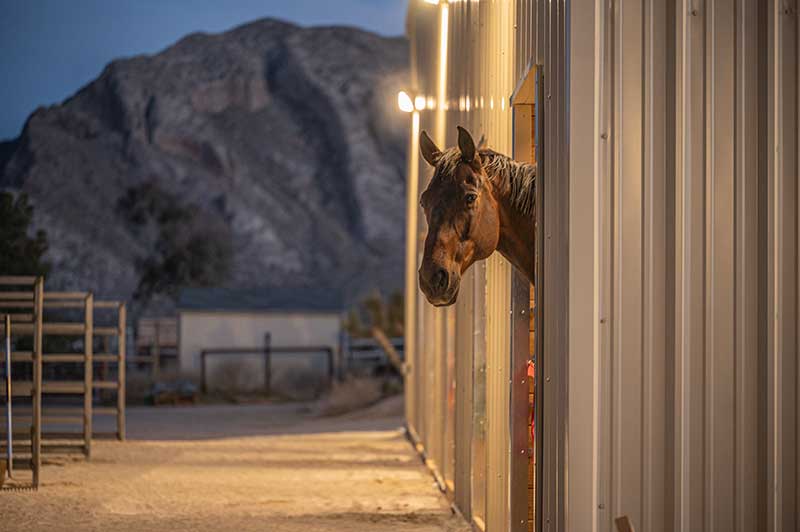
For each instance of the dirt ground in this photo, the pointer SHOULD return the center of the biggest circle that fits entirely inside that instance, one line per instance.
(240, 468)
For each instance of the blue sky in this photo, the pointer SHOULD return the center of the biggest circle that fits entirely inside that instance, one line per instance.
(51, 48)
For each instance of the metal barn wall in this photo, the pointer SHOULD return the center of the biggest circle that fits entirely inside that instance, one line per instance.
(683, 256)
(460, 412)
(670, 291)
(465, 351)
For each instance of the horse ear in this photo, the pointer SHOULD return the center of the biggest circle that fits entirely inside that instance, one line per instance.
(429, 150)
(482, 142)
(466, 145)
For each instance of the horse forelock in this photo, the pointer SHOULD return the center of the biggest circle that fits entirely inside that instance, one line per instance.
(517, 180)
(448, 163)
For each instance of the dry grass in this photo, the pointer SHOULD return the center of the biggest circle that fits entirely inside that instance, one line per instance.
(295, 383)
(351, 394)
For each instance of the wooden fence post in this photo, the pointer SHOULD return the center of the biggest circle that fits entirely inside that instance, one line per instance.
(88, 373)
(36, 431)
(121, 373)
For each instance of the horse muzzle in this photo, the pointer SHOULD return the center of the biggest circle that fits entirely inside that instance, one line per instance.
(440, 287)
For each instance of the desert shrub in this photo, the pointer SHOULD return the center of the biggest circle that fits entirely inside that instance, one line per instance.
(236, 376)
(352, 394)
(297, 383)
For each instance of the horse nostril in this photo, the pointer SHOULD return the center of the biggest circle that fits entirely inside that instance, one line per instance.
(440, 280)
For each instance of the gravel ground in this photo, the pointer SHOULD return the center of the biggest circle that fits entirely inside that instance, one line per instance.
(240, 468)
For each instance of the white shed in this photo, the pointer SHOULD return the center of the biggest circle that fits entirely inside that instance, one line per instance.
(239, 329)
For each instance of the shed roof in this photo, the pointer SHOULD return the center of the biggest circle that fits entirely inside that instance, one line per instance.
(263, 299)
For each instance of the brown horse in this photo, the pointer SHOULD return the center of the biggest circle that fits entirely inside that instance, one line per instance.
(478, 201)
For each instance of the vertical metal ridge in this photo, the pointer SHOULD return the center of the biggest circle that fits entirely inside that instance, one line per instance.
(690, 282)
(796, 10)
(653, 478)
(746, 266)
(722, 435)
(710, 281)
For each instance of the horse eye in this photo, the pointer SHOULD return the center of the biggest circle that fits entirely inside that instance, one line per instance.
(470, 198)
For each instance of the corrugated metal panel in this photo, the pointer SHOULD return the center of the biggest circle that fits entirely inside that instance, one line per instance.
(584, 431)
(555, 181)
(782, 248)
(696, 268)
(481, 71)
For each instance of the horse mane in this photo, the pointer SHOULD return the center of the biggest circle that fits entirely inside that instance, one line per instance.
(515, 179)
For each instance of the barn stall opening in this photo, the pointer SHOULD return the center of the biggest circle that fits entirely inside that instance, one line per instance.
(667, 273)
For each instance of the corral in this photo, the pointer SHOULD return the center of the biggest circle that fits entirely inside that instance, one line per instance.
(70, 378)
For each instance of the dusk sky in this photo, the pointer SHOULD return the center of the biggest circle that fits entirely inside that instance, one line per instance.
(51, 48)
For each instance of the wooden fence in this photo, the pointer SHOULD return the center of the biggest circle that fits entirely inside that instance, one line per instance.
(110, 330)
(21, 300)
(67, 424)
(156, 344)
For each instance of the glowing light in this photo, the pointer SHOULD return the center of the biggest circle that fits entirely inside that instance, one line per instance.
(432, 2)
(404, 102)
(419, 103)
(491, 102)
(431, 102)
(467, 105)
(441, 93)
(503, 104)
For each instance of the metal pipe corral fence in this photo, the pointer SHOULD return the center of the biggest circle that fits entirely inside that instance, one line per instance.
(267, 351)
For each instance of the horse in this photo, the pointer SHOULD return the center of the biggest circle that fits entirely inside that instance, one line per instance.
(478, 202)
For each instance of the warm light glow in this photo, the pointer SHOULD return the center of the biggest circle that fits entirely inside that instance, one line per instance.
(434, 2)
(503, 104)
(431, 102)
(419, 103)
(441, 93)
(404, 102)
(491, 102)
(467, 105)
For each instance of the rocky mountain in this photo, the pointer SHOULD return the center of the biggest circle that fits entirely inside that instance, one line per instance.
(281, 144)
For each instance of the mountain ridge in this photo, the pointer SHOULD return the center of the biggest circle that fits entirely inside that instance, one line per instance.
(286, 135)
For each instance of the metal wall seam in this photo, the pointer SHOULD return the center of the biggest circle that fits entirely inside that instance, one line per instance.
(746, 168)
(604, 102)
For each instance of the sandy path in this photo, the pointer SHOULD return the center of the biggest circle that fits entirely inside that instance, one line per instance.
(352, 473)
